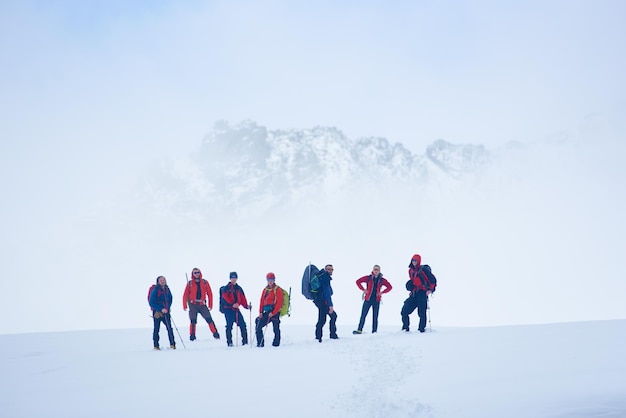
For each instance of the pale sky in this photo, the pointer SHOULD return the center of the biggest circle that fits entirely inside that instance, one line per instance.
(92, 92)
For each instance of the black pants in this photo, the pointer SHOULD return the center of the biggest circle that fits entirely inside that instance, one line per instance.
(366, 308)
(167, 320)
(262, 322)
(417, 300)
(322, 311)
(235, 317)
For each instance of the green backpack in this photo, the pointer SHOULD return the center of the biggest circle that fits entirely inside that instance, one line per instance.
(286, 308)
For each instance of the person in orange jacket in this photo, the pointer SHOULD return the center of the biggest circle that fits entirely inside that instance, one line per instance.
(269, 310)
(197, 293)
(372, 294)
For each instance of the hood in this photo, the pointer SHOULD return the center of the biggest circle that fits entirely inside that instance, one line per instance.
(416, 257)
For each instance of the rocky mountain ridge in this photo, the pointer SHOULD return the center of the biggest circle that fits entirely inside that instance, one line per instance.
(247, 168)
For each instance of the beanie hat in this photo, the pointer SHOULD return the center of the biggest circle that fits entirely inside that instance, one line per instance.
(233, 275)
(270, 275)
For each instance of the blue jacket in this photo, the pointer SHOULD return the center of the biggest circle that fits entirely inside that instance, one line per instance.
(326, 290)
(160, 298)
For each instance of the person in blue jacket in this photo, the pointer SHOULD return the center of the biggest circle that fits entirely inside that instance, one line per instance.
(160, 301)
(324, 303)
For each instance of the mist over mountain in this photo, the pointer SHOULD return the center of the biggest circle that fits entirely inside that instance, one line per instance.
(247, 170)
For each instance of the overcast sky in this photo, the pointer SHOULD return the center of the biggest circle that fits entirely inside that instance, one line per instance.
(92, 92)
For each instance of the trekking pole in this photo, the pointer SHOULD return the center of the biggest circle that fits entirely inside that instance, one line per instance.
(179, 336)
(430, 325)
(250, 309)
(289, 306)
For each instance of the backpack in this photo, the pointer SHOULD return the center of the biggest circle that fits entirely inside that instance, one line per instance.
(222, 302)
(150, 291)
(286, 308)
(429, 276)
(310, 282)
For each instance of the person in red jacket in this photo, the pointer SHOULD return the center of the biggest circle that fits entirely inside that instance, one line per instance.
(421, 284)
(269, 310)
(375, 286)
(231, 298)
(197, 293)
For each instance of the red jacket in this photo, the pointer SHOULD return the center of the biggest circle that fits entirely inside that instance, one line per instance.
(369, 286)
(271, 296)
(419, 277)
(191, 291)
(231, 295)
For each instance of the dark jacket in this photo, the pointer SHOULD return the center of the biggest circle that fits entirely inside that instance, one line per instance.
(229, 295)
(326, 291)
(160, 297)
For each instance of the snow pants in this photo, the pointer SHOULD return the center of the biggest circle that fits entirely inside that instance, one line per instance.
(167, 320)
(417, 300)
(322, 311)
(366, 308)
(262, 322)
(200, 308)
(235, 317)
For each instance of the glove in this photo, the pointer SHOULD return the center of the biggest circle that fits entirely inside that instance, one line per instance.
(157, 314)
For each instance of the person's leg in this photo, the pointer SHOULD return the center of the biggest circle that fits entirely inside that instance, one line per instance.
(193, 319)
(206, 314)
(422, 303)
(230, 319)
(375, 310)
(333, 325)
(243, 327)
(364, 310)
(261, 322)
(276, 325)
(155, 332)
(408, 308)
(170, 330)
(321, 320)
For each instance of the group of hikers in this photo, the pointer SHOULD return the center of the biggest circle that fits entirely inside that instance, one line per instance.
(198, 298)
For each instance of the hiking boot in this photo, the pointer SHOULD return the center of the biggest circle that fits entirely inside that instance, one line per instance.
(230, 344)
(357, 331)
(192, 337)
(173, 346)
(216, 335)
(334, 337)
(421, 330)
(157, 348)
(276, 343)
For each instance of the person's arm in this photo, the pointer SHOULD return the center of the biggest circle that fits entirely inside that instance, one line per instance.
(186, 296)
(360, 281)
(387, 286)
(209, 294)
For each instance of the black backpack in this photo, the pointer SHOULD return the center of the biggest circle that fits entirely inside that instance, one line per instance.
(430, 277)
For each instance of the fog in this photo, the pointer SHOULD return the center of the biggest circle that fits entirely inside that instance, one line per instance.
(95, 101)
